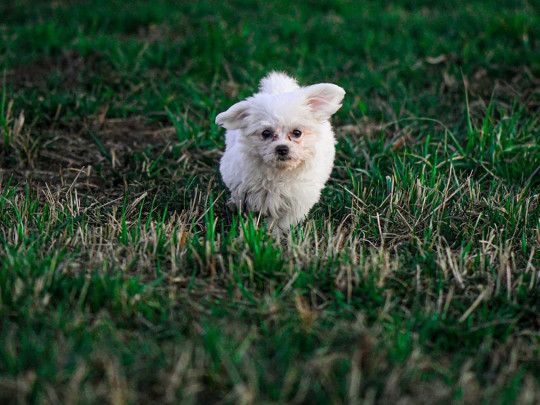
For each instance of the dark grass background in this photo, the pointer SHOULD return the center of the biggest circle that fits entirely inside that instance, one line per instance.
(124, 278)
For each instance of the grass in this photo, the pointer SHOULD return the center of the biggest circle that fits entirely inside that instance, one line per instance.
(125, 279)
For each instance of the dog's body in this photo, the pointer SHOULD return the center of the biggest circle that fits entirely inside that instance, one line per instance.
(280, 148)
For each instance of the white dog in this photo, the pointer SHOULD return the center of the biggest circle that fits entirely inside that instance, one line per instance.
(280, 148)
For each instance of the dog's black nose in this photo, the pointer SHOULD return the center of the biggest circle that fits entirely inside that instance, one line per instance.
(282, 150)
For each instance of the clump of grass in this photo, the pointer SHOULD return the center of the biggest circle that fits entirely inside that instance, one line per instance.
(18, 146)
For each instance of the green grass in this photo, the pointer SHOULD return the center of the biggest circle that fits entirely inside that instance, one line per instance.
(125, 279)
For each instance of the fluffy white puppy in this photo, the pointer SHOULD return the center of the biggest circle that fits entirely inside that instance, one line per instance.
(280, 148)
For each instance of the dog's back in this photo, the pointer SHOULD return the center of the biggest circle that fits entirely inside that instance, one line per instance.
(277, 83)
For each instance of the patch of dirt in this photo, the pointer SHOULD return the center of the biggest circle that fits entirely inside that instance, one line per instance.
(503, 85)
(97, 156)
(521, 86)
(509, 88)
(70, 67)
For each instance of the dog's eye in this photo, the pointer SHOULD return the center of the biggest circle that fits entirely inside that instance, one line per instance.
(297, 133)
(266, 134)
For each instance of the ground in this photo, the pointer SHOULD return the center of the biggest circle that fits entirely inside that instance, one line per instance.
(124, 278)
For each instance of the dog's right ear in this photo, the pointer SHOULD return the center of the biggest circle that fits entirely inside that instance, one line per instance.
(235, 117)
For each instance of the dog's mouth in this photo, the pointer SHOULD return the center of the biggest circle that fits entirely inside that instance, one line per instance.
(286, 163)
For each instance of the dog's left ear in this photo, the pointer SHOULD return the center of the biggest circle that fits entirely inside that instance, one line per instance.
(324, 99)
(234, 117)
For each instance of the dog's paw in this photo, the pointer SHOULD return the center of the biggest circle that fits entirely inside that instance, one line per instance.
(231, 205)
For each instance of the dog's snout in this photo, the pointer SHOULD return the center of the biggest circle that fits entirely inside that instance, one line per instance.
(282, 150)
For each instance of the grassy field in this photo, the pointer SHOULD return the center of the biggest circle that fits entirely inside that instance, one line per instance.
(125, 279)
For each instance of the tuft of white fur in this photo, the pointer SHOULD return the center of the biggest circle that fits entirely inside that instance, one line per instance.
(277, 83)
(282, 189)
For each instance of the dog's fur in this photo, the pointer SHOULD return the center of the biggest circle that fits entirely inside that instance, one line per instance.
(280, 148)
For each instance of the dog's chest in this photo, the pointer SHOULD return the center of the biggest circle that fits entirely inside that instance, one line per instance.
(277, 193)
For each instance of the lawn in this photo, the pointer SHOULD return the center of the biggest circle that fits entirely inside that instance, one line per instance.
(125, 279)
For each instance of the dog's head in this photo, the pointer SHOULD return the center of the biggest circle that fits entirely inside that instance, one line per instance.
(283, 129)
